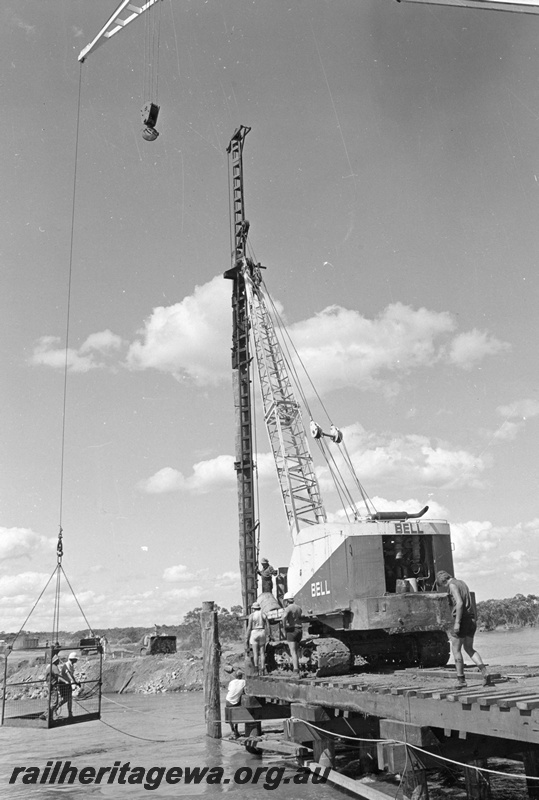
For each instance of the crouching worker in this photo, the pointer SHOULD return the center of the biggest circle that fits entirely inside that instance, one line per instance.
(236, 688)
(464, 626)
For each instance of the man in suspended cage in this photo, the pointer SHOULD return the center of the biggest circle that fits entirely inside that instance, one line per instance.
(56, 680)
(67, 673)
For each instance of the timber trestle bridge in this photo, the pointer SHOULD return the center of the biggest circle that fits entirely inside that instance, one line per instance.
(410, 723)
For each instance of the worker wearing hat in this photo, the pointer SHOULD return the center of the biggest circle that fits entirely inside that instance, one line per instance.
(67, 673)
(256, 636)
(53, 679)
(292, 628)
(266, 572)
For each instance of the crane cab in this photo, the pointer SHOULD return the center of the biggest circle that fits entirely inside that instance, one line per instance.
(373, 584)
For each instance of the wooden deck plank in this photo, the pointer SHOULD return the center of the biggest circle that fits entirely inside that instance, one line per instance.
(528, 705)
(511, 722)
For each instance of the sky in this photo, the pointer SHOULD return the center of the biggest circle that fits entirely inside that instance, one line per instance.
(392, 187)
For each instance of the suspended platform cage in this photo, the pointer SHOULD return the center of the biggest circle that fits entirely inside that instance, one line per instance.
(39, 701)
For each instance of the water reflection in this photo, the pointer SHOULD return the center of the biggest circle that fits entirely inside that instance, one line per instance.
(152, 734)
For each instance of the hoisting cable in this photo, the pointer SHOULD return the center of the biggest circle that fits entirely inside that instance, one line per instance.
(150, 74)
(59, 546)
(68, 312)
(288, 346)
(255, 474)
(23, 626)
(152, 37)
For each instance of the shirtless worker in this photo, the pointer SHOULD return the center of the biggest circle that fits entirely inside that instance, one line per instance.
(463, 631)
(292, 628)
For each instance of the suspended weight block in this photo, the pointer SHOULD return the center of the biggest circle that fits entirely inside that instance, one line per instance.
(32, 700)
(150, 112)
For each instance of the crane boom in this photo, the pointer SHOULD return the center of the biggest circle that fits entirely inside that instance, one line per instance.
(115, 24)
(288, 439)
(524, 6)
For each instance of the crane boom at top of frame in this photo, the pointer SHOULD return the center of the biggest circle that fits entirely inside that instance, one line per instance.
(116, 24)
(524, 6)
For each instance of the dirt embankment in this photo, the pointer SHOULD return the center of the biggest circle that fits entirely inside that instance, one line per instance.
(181, 672)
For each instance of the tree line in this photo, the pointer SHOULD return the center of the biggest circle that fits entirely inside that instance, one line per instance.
(187, 632)
(515, 612)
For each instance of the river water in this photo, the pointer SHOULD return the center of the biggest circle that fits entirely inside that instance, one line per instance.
(149, 732)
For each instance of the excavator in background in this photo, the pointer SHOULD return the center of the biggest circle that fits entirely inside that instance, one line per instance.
(366, 584)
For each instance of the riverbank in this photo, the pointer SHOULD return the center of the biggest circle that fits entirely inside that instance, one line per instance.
(180, 672)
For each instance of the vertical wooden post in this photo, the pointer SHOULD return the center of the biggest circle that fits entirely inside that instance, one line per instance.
(367, 760)
(477, 783)
(211, 656)
(531, 768)
(4, 690)
(414, 780)
(324, 751)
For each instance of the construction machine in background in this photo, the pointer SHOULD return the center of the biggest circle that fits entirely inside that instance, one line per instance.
(157, 645)
(367, 584)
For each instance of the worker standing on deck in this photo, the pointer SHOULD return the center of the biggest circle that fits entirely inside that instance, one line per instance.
(256, 637)
(463, 631)
(292, 628)
(266, 573)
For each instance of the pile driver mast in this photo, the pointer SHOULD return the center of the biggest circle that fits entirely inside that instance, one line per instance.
(288, 439)
(241, 378)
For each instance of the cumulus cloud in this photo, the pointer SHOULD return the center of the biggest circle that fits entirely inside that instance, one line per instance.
(90, 355)
(340, 347)
(103, 342)
(531, 527)
(190, 338)
(165, 480)
(178, 573)
(215, 473)
(515, 416)
(473, 540)
(17, 588)
(184, 594)
(22, 543)
(503, 555)
(524, 409)
(228, 580)
(519, 556)
(468, 348)
(183, 590)
(410, 460)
